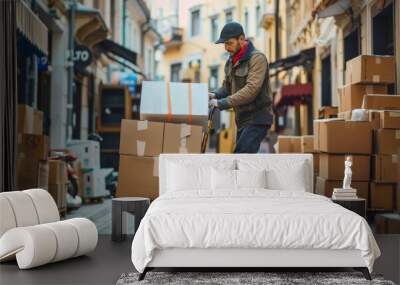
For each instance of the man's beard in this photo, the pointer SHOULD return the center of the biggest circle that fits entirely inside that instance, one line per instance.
(235, 51)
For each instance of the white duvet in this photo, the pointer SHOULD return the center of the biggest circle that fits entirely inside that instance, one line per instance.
(250, 219)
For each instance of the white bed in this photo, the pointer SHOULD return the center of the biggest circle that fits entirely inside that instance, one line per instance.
(248, 227)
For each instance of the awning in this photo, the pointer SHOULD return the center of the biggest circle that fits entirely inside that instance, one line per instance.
(305, 57)
(109, 46)
(293, 94)
(31, 27)
(332, 8)
(119, 54)
(90, 27)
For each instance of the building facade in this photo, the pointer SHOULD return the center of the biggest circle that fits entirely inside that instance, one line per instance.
(315, 39)
(190, 28)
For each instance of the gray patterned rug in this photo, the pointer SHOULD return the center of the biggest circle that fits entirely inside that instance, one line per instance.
(231, 278)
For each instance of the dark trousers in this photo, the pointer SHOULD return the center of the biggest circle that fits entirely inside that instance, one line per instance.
(248, 139)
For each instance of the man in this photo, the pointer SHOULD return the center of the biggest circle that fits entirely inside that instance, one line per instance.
(246, 89)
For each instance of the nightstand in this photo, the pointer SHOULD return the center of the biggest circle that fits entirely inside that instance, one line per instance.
(136, 206)
(358, 205)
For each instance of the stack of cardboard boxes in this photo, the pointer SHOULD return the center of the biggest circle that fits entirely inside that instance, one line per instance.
(335, 139)
(385, 159)
(140, 145)
(372, 142)
(32, 149)
(172, 116)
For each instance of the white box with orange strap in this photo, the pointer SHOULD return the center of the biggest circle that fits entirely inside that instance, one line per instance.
(174, 102)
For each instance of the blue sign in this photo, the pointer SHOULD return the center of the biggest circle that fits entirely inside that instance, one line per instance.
(43, 63)
(129, 79)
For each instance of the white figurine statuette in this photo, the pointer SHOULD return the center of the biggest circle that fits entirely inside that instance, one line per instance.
(347, 173)
(346, 192)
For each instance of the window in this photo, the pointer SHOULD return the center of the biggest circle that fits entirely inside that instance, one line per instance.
(176, 72)
(195, 23)
(228, 16)
(246, 22)
(326, 91)
(213, 79)
(258, 20)
(382, 30)
(195, 67)
(351, 45)
(214, 28)
(383, 40)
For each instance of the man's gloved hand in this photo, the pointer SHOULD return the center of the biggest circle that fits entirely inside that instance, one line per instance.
(211, 95)
(213, 103)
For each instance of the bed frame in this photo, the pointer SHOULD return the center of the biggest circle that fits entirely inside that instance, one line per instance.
(242, 259)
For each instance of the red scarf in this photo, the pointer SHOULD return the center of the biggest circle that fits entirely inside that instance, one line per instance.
(242, 51)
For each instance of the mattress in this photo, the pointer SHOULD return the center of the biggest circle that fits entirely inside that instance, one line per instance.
(251, 219)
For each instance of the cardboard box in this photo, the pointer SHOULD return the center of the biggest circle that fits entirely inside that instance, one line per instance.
(381, 102)
(24, 119)
(307, 144)
(37, 122)
(296, 144)
(284, 144)
(316, 162)
(316, 126)
(340, 100)
(57, 172)
(87, 151)
(385, 168)
(339, 136)
(316, 134)
(371, 69)
(138, 177)
(345, 115)
(182, 138)
(325, 187)
(32, 173)
(94, 185)
(29, 120)
(141, 138)
(384, 119)
(328, 112)
(382, 196)
(386, 141)
(331, 166)
(59, 192)
(353, 95)
(33, 146)
(174, 102)
(289, 144)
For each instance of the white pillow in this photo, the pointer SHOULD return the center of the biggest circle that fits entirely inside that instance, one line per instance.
(282, 180)
(182, 177)
(191, 176)
(251, 178)
(223, 179)
(226, 179)
(282, 174)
